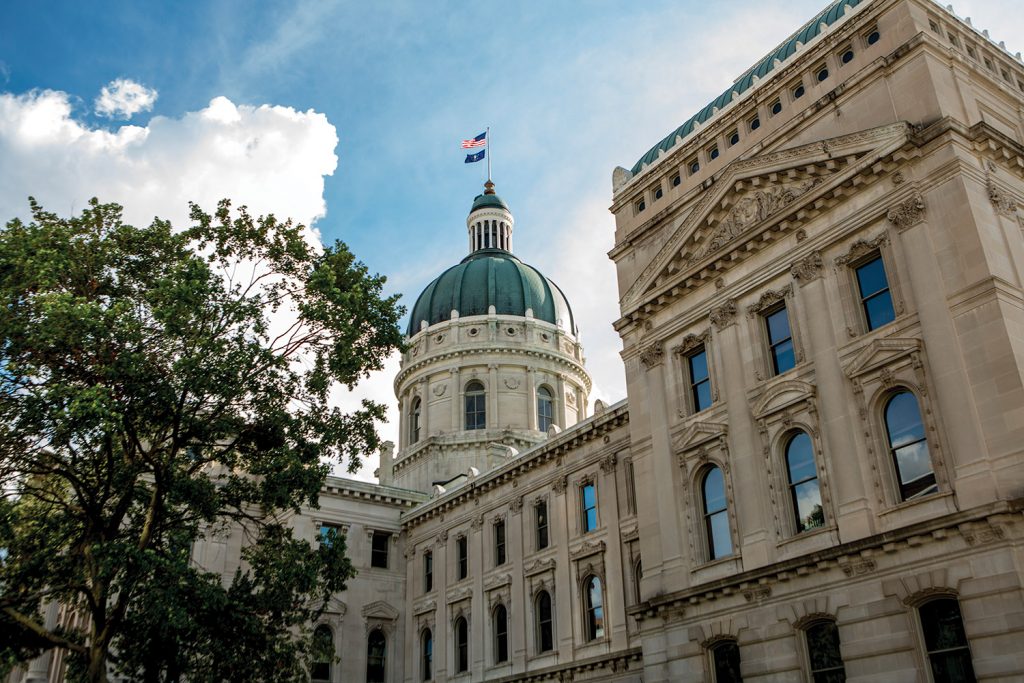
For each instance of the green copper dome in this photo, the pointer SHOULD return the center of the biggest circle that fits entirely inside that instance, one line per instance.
(491, 277)
(488, 201)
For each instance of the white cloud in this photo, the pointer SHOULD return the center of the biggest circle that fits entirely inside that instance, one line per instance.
(123, 98)
(272, 159)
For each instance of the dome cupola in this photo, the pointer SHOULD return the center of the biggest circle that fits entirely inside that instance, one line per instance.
(489, 223)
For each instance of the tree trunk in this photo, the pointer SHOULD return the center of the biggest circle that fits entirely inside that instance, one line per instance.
(97, 671)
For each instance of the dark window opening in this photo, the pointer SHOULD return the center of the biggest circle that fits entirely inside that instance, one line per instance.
(823, 653)
(476, 406)
(500, 634)
(376, 657)
(545, 409)
(323, 644)
(545, 623)
(542, 525)
(428, 572)
(462, 557)
(379, 549)
(946, 641)
(780, 341)
(499, 543)
(725, 657)
(461, 645)
(700, 381)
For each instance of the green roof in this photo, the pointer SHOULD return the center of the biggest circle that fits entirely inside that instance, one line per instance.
(804, 35)
(484, 201)
(491, 277)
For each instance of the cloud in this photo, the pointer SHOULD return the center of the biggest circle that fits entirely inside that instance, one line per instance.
(5, 73)
(272, 159)
(123, 98)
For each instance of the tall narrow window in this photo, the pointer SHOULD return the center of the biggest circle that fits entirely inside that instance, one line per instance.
(716, 515)
(376, 656)
(594, 608)
(476, 408)
(946, 641)
(700, 381)
(499, 543)
(542, 524)
(725, 661)
(427, 655)
(638, 573)
(875, 297)
(545, 624)
(323, 644)
(780, 341)
(630, 487)
(909, 447)
(803, 483)
(428, 571)
(414, 420)
(500, 634)
(823, 653)
(588, 500)
(379, 549)
(545, 409)
(462, 557)
(461, 645)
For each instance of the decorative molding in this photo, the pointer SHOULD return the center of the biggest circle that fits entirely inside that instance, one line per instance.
(512, 383)
(691, 342)
(858, 567)
(757, 594)
(808, 268)
(538, 566)
(559, 485)
(907, 213)
(478, 521)
(724, 315)
(424, 606)
(980, 534)
(439, 389)
(570, 398)
(380, 610)
(698, 433)
(1004, 203)
(456, 594)
(652, 355)
(860, 249)
(609, 462)
(516, 506)
(442, 538)
(586, 549)
(497, 581)
(769, 299)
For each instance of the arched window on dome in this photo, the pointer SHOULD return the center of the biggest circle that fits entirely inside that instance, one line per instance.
(476, 406)
(414, 420)
(545, 409)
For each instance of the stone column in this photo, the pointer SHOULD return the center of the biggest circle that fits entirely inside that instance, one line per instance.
(455, 391)
(519, 609)
(493, 420)
(615, 590)
(560, 401)
(531, 397)
(565, 589)
(424, 408)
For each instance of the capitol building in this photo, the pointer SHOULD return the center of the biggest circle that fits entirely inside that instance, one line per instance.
(817, 473)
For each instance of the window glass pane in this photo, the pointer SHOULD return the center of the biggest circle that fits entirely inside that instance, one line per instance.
(379, 552)
(800, 458)
(462, 644)
(903, 418)
(783, 358)
(376, 652)
(324, 650)
(719, 537)
(778, 326)
(428, 655)
(726, 657)
(823, 651)
(702, 396)
(946, 641)
(879, 310)
(542, 526)
(328, 532)
(500, 634)
(915, 469)
(595, 608)
(698, 367)
(871, 278)
(589, 508)
(807, 499)
(714, 491)
(544, 625)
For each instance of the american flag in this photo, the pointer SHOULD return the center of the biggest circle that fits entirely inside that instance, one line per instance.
(478, 141)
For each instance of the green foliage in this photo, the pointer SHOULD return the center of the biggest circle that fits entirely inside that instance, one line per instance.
(158, 387)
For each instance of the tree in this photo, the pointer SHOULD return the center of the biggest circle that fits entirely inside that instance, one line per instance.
(158, 386)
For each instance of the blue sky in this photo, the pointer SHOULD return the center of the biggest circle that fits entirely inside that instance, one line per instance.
(569, 89)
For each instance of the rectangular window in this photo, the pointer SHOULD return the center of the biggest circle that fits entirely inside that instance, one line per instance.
(379, 549)
(499, 543)
(462, 557)
(588, 498)
(875, 297)
(780, 341)
(700, 381)
(630, 487)
(542, 525)
(428, 571)
(328, 532)
(657, 193)
(639, 205)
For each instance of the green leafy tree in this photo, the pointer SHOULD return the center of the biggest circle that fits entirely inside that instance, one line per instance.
(158, 386)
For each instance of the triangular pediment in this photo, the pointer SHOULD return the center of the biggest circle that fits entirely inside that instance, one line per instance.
(380, 610)
(755, 193)
(699, 433)
(782, 396)
(880, 353)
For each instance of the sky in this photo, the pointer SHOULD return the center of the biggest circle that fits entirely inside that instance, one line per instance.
(347, 116)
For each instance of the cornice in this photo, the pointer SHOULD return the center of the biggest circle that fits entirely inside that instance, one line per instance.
(584, 432)
(557, 358)
(375, 493)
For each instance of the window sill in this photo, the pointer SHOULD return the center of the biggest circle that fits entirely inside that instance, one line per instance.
(946, 496)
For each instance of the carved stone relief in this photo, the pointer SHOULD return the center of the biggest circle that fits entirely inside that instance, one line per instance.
(907, 213)
(652, 355)
(808, 268)
(723, 316)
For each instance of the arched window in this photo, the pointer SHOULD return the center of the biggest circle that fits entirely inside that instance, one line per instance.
(716, 515)
(476, 408)
(946, 641)
(908, 446)
(725, 662)
(461, 645)
(500, 634)
(595, 608)
(823, 652)
(376, 656)
(545, 625)
(545, 409)
(323, 653)
(803, 482)
(426, 654)
(414, 420)
(638, 573)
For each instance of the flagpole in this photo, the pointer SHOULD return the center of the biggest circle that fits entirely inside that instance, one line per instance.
(487, 137)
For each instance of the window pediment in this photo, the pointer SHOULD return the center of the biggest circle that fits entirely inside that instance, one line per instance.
(699, 433)
(781, 396)
(879, 353)
(380, 610)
